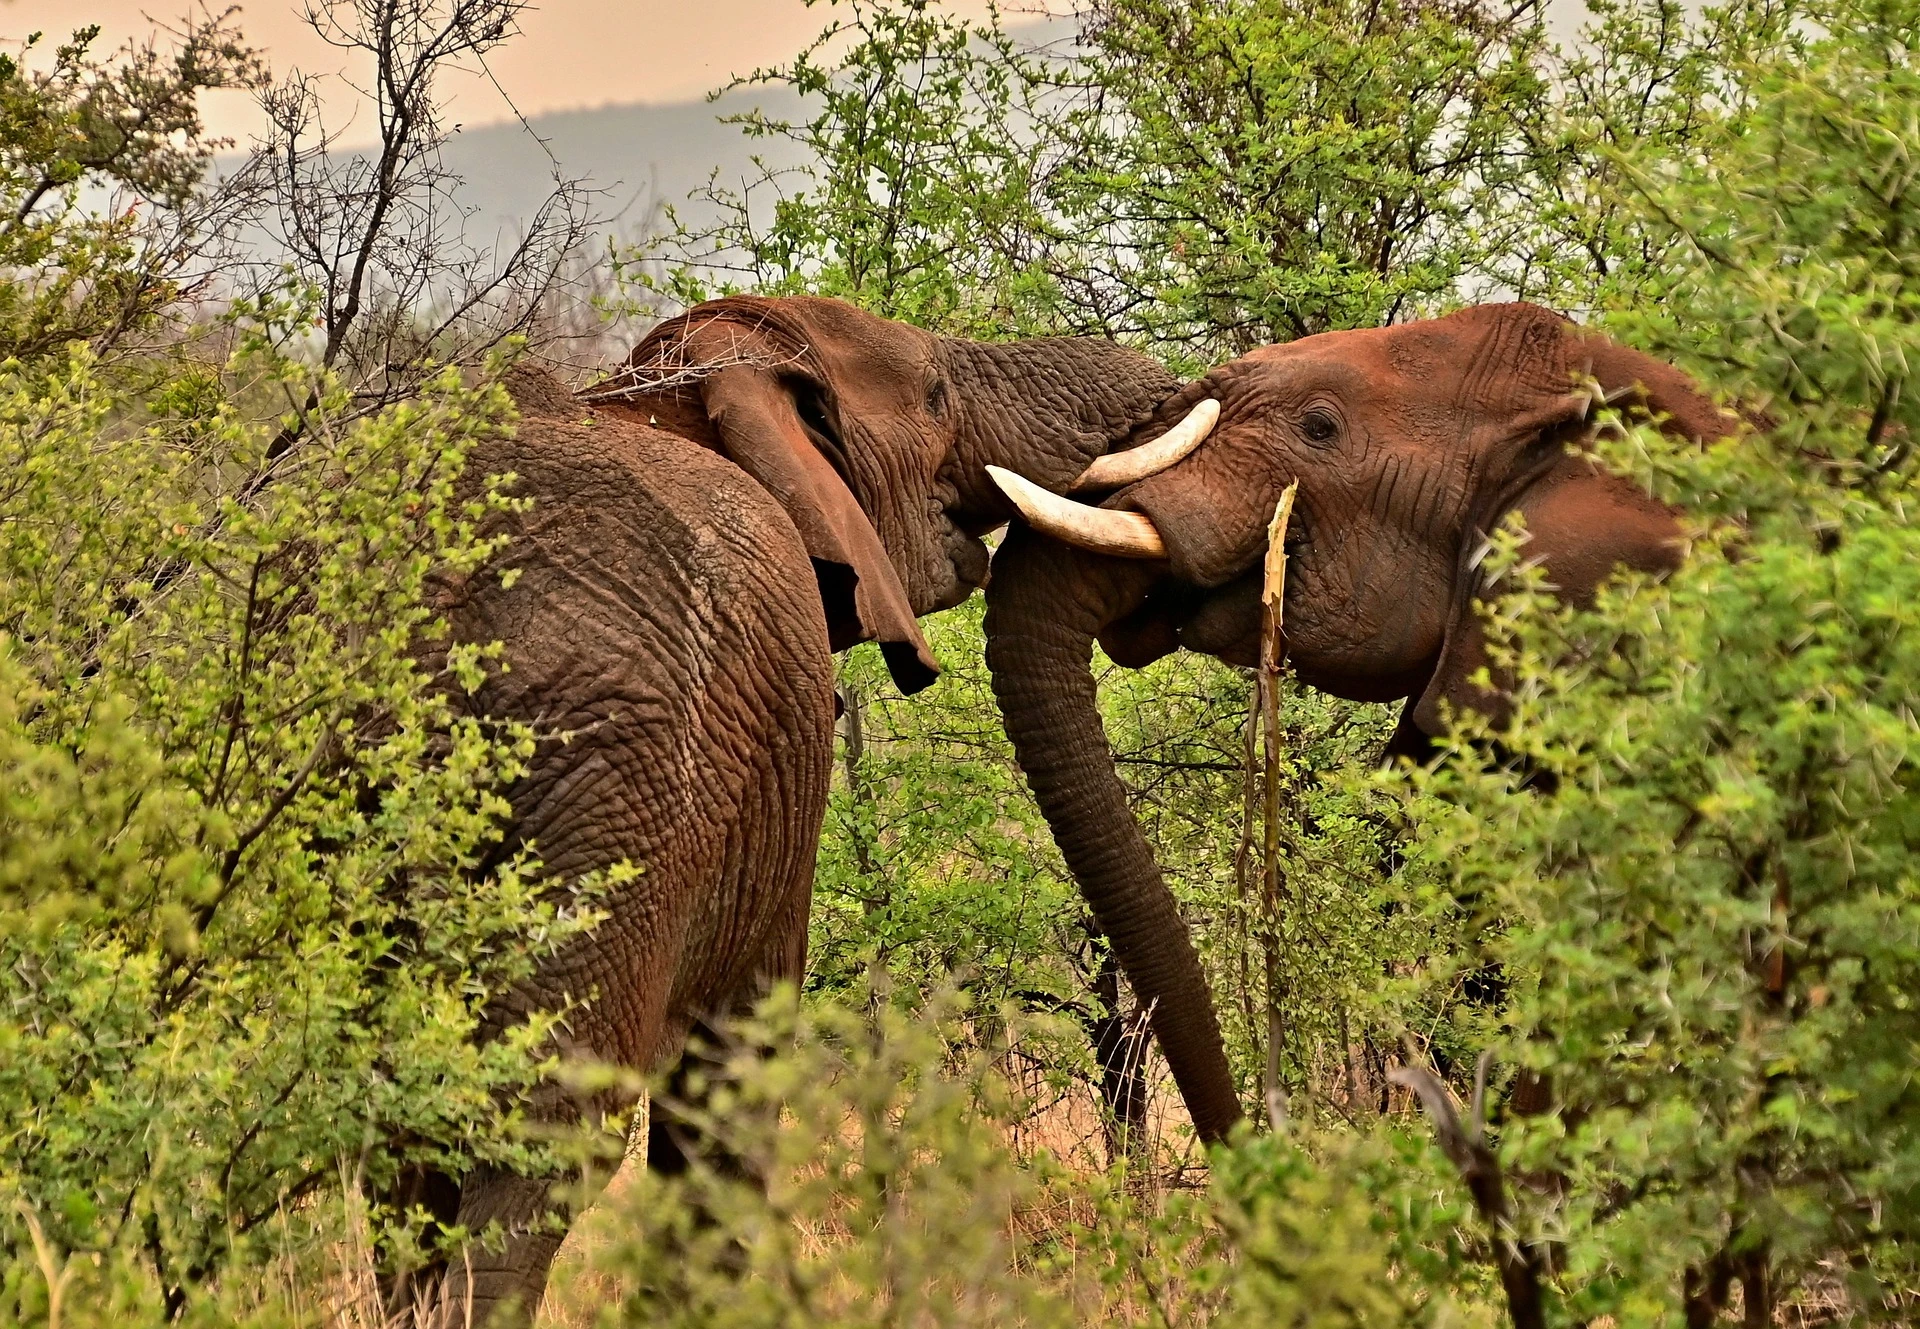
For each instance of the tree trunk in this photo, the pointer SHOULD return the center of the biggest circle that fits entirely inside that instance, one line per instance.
(1120, 1050)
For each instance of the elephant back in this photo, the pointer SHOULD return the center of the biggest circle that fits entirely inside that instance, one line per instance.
(660, 629)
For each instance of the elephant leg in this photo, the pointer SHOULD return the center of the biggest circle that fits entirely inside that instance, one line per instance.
(501, 1279)
(516, 1222)
(675, 1137)
(500, 1283)
(436, 1194)
(677, 1140)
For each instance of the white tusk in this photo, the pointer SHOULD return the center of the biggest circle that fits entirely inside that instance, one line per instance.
(1123, 468)
(1122, 534)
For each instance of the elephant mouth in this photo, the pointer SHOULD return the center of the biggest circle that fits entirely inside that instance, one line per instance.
(1298, 541)
(968, 563)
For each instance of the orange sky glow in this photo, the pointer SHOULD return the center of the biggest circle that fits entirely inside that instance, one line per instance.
(570, 54)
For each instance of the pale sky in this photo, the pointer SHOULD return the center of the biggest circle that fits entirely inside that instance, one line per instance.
(570, 54)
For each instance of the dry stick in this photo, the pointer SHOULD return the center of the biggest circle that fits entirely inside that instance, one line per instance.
(1243, 871)
(56, 1271)
(1479, 1167)
(1777, 957)
(1272, 654)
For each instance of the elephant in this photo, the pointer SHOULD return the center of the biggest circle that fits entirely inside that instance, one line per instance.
(1410, 443)
(765, 482)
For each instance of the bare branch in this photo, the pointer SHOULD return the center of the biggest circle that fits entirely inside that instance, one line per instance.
(672, 366)
(1466, 1148)
(379, 236)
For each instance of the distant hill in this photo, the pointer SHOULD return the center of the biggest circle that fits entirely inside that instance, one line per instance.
(633, 155)
(637, 156)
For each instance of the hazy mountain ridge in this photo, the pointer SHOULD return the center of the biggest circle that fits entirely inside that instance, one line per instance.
(633, 156)
(636, 155)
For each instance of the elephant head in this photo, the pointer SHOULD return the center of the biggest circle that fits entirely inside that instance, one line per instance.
(875, 436)
(1410, 443)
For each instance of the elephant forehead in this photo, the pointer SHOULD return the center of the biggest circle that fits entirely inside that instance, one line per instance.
(1431, 424)
(1423, 354)
(839, 319)
(1341, 364)
(866, 355)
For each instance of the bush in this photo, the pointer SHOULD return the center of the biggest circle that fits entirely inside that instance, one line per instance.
(1713, 923)
(249, 916)
(247, 938)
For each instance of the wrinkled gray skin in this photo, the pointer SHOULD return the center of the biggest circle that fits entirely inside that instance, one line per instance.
(1410, 443)
(691, 559)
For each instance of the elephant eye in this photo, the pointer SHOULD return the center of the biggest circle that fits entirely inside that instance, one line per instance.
(937, 398)
(1319, 426)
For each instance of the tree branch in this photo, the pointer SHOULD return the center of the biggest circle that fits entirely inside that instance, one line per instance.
(1479, 1167)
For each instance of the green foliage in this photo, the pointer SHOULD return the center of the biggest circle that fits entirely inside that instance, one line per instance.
(1204, 178)
(94, 268)
(1652, 78)
(1256, 172)
(914, 120)
(244, 941)
(1342, 1229)
(894, 1193)
(1713, 923)
(890, 1198)
(245, 933)
(1310, 967)
(935, 866)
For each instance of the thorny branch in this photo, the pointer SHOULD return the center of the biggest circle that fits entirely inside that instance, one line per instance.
(381, 236)
(1467, 1149)
(672, 365)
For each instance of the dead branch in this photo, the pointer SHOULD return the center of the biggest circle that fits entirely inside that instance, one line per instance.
(1467, 1149)
(379, 235)
(1273, 597)
(672, 365)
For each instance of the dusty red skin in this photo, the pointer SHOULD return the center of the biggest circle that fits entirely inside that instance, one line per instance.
(692, 558)
(1409, 443)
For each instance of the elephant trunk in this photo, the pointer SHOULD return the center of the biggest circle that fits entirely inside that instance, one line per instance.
(1045, 604)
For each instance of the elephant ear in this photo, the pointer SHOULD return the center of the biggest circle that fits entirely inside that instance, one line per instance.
(759, 429)
(1582, 522)
(731, 374)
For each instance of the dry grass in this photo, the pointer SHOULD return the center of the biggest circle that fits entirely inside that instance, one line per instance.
(1062, 1126)
(1066, 1126)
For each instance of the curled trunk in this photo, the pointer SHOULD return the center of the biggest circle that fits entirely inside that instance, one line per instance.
(1045, 604)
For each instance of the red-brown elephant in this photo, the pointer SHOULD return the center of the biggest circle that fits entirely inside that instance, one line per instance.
(771, 481)
(1410, 444)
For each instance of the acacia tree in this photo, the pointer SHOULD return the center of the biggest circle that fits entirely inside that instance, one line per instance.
(400, 284)
(1234, 172)
(917, 187)
(106, 273)
(1650, 77)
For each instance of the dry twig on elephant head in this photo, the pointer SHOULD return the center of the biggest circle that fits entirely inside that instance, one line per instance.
(671, 365)
(1273, 596)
